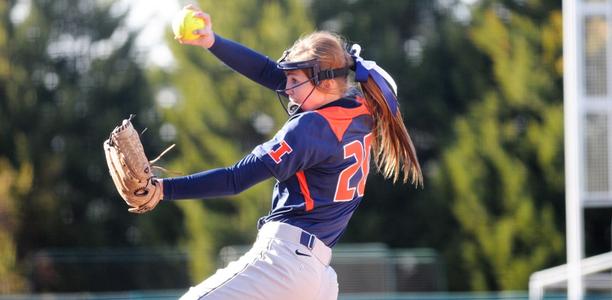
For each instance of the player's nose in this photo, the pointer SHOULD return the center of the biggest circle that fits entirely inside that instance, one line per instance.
(288, 89)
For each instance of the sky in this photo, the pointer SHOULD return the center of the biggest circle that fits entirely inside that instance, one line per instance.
(154, 17)
(151, 17)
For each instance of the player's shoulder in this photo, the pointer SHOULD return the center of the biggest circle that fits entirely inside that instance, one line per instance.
(307, 120)
(309, 127)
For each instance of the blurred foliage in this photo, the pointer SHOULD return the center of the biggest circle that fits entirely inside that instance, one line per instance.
(13, 184)
(68, 75)
(217, 116)
(503, 173)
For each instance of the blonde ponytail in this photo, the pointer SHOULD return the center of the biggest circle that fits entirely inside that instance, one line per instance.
(393, 147)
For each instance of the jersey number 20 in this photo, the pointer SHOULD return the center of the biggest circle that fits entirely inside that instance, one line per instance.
(361, 152)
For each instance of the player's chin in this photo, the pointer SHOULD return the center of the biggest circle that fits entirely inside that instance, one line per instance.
(292, 107)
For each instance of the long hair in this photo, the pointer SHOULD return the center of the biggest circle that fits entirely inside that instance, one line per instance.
(393, 149)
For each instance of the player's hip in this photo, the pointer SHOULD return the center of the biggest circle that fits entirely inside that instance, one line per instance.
(282, 264)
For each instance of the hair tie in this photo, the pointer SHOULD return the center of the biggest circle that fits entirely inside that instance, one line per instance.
(368, 68)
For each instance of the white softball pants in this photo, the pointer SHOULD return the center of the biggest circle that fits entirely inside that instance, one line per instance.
(284, 263)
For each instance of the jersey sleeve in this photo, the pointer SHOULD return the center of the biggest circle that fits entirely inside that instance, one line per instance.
(300, 144)
(217, 182)
(249, 63)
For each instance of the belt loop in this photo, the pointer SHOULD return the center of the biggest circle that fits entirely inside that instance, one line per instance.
(307, 240)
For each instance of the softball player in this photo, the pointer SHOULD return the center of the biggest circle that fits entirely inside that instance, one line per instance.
(320, 159)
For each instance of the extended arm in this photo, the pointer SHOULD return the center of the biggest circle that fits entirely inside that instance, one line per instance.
(238, 57)
(217, 182)
(249, 63)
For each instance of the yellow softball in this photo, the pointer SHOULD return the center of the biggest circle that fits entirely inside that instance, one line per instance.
(184, 23)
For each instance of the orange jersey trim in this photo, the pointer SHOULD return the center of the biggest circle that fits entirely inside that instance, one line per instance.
(305, 191)
(339, 118)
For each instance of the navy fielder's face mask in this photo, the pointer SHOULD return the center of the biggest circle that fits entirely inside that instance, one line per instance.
(316, 77)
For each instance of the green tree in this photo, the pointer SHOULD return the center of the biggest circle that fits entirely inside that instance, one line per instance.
(14, 183)
(219, 117)
(67, 77)
(504, 172)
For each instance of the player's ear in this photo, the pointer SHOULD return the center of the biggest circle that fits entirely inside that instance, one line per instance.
(328, 84)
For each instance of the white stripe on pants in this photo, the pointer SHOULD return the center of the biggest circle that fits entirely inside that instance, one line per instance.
(273, 269)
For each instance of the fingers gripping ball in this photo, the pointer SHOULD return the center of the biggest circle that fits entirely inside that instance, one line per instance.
(130, 169)
(184, 23)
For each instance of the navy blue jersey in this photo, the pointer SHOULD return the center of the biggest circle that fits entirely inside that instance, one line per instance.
(321, 160)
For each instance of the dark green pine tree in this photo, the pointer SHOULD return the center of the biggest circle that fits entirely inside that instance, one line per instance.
(503, 174)
(216, 117)
(67, 77)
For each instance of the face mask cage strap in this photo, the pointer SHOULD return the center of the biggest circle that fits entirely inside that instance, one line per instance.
(312, 65)
(318, 75)
(291, 107)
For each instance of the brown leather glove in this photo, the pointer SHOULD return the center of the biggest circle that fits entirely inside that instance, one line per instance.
(131, 170)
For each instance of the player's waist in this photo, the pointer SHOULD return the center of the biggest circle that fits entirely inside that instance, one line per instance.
(290, 233)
